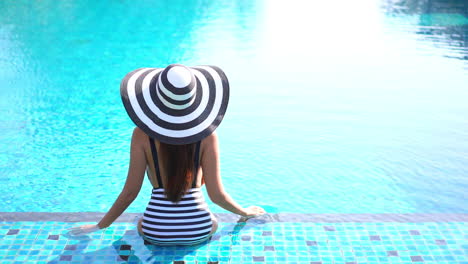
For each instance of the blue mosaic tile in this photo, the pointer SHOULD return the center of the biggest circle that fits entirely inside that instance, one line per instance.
(276, 242)
(12, 232)
(416, 259)
(53, 237)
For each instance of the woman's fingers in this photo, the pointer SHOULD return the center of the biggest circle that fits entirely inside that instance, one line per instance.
(258, 209)
(74, 231)
(255, 210)
(82, 230)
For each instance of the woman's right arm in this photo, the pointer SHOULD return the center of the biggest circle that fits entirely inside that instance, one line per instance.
(211, 172)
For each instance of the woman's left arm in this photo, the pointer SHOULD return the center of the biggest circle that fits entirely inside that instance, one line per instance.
(136, 174)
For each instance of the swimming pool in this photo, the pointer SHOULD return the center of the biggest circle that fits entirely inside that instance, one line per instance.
(365, 113)
(336, 108)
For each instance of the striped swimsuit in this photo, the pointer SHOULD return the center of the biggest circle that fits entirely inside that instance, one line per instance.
(184, 223)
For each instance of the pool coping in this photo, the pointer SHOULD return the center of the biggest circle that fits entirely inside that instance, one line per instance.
(228, 217)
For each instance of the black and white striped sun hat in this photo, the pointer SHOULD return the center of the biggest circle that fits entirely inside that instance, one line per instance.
(177, 104)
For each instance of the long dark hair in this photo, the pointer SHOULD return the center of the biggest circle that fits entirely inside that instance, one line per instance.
(179, 164)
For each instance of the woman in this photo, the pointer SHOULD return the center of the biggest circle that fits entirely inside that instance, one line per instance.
(176, 110)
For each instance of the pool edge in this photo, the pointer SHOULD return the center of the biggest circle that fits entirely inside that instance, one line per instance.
(228, 217)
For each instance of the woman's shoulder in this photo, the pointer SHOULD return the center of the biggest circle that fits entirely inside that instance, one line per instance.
(211, 139)
(210, 143)
(139, 136)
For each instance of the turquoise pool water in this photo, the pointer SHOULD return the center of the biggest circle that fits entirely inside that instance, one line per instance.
(355, 107)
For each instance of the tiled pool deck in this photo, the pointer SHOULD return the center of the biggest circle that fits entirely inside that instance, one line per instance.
(274, 238)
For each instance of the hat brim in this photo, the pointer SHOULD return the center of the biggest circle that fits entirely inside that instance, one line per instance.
(144, 104)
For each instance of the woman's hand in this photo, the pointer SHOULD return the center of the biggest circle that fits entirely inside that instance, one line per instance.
(253, 211)
(83, 230)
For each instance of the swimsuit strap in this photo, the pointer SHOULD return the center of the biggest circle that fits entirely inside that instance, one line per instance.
(156, 163)
(196, 163)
